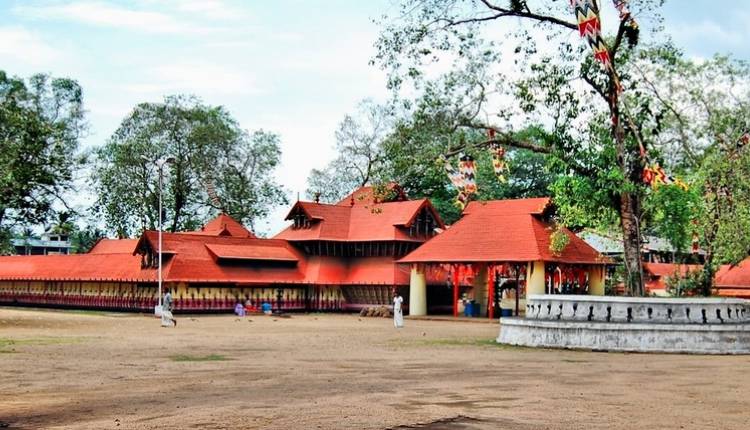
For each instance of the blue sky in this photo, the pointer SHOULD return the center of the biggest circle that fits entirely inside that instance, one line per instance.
(289, 66)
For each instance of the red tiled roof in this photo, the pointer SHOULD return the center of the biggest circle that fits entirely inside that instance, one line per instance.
(363, 196)
(658, 272)
(504, 230)
(251, 252)
(76, 267)
(190, 260)
(380, 222)
(223, 225)
(669, 269)
(535, 206)
(734, 276)
(114, 246)
(341, 271)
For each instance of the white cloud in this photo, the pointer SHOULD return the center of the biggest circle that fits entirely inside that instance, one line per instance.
(708, 32)
(22, 46)
(109, 15)
(211, 9)
(196, 78)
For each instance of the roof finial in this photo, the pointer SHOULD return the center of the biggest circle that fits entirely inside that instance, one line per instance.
(352, 201)
(316, 197)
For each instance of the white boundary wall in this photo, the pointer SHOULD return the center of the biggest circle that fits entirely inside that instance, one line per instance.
(702, 325)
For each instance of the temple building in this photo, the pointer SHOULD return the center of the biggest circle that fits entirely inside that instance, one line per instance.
(341, 257)
(505, 246)
(332, 257)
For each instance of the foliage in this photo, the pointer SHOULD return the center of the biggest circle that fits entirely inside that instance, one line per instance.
(41, 120)
(215, 166)
(596, 140)
(672, 213)
(689, 284)
(82, 240)
(558, 241)
(359, 155)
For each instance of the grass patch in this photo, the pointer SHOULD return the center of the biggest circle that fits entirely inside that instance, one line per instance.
(87, 312)
(453, 342)
(9, 345)
(209, 357)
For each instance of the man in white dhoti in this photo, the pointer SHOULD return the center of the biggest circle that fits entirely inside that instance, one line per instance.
(398, 313)
(167, 320)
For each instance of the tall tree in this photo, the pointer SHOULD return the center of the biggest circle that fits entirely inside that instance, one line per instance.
(214, 164)
(244, 177)
(590, 127)
(359, 155)
(41, 121)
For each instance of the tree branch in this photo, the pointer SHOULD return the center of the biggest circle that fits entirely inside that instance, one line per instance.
(502, 138)
(530, 15)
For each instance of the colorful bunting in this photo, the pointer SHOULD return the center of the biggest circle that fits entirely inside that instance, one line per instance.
(590, 27)
(468, 169)
(655, 176)
(462, 179)
(499, 164)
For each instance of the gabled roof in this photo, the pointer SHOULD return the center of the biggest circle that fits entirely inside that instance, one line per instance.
(191, 258)
(373, 222)
(223, 225)
(502, 231)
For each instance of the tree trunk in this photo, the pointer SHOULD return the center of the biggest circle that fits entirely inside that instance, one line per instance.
(630, 204)
(631, 240)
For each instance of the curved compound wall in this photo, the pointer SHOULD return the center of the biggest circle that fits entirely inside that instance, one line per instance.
(705, 325)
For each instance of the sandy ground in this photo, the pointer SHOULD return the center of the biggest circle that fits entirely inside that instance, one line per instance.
(78, 370)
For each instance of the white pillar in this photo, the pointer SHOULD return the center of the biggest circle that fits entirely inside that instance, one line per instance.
(480, 289)
(535, 278)
(596, 280)
(417, 292)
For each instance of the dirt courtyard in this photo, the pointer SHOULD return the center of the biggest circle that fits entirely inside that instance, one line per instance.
(98, 370)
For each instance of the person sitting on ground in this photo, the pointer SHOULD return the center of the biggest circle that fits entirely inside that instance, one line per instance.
(239, 310)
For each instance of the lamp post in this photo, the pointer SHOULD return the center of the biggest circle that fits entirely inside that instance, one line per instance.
(160, 166)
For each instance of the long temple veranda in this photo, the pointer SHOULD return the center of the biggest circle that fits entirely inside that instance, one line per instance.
(98, 370)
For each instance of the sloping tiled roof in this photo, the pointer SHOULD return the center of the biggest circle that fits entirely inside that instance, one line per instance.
(362, 271)
(76, 267)
(658, 272)
(189, 258)
(223, 225)
(379, 222)
(365, 196)
(734, 281)
(669, 269)
(499, 231)
(251, 252)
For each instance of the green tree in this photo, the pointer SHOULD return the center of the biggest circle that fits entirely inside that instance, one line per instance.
(534, 73)
(412, 157)
(41, 120)
(360, 156)
(83, 239)
(214, 165)
(705, 108)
